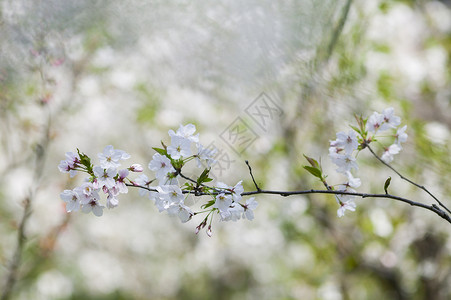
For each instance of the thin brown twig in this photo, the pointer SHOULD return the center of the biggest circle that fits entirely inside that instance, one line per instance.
(252, 176)
(434, 208)
(408, 180)
(187, 178)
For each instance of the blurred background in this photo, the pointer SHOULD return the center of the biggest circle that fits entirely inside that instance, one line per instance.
(86, 74)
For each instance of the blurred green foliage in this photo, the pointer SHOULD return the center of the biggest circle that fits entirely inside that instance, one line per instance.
(149, 104)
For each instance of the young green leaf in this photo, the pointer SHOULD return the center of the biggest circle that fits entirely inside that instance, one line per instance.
(204, 177)
(356, 129)
(208, 204)
(313, 162)
(85, 161)
(314, 171)
(159, 150)
(387, 183)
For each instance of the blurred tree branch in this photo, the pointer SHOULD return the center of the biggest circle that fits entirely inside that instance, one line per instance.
(40, 152)
(337, 31)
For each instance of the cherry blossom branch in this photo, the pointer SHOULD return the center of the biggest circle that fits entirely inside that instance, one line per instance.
(197, 189)
(434, 208)
(225, 200)
(408, 180)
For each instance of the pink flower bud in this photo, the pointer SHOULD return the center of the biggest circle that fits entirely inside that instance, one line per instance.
(209, 233)
(136, 168)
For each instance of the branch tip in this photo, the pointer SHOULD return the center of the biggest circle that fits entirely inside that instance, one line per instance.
(253, 179)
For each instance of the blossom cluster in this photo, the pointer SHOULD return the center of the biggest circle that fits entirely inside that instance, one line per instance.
(381, 122)
(344, 149)
(105, 177)
(173, 190)
(168, 196)
(342, 153)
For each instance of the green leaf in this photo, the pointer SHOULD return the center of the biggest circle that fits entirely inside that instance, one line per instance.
(356, 129)
(204, 177)
(85, 161)
(387, 183)
(208, 204)
(314, 171)
(313, 162)
(159, 150)
(188, 185)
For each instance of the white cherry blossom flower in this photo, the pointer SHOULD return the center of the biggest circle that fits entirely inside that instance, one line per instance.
(348, 205)
(87, 192)
(120, 182)
(161, 202)
(344, 188)
(69, 164)
(72, 158)
(110, 157)
(142, 180)
(401, 136)
(352, 181)
(72, 200)
(389, 153)
(182, 211)
(390, 120)
(105, 177)
(223, 201)
(168, 179)
(171, 193)
(347, 141)
(345, 162)
(65, 167)
(206, 155)
(334, 151)
(249, 208)
(226, 215)
(161, 165)
(111, 199)
(93, 207)
(187, 132)
(235, 191)
(374, 122)
(180, 147)
(233, 213)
